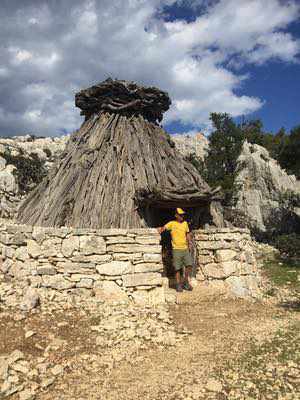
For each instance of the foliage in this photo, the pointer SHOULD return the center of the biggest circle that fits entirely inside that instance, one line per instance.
(282, 272)
(288, 245)
(283, 147)
(219, 167)
(47, 152)
(199, 164)
(289, 156)
(30, 170)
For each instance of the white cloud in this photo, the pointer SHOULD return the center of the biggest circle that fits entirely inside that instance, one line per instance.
(64, 48)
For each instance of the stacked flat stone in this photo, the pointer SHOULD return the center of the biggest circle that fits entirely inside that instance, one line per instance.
(227, 256)
(122, 263)
(118, 261)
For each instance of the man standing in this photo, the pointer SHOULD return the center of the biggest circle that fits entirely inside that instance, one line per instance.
(181, 244)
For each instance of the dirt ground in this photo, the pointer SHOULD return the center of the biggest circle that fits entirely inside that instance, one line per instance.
(218, 337)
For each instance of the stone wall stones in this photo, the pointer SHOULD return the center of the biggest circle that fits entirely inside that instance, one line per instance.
(227, 255)
(122, 264)
(111, 261)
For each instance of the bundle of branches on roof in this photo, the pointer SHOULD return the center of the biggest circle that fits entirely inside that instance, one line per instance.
(123, 97)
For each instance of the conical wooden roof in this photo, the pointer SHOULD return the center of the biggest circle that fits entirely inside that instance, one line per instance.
(117, 166)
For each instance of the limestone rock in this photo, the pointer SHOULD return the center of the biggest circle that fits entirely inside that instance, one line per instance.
(92, 245)
(153, 257)
(243, 286)
(143, 279)
(134, 248)
(51, 247)
(263, 184)
(33, 248)
(57, 282)
(111, 292)
(46, 270)
(115, 268)
(31, 300)
(214, 386)
(225, 255)
(69, 246)
(187, 144)
(147, 267)
(85, 283)
(27, 394)
(21, 253)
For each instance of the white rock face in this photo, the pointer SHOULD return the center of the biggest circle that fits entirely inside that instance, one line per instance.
(186, 144)
(262, 184)
(46, 149)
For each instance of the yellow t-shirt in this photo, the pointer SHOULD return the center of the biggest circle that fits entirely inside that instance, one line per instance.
(178, 234)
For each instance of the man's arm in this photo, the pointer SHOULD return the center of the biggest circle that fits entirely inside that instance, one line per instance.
(166, 227)
(161, 229)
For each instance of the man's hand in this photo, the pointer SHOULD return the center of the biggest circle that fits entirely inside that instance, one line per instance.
(161, 229)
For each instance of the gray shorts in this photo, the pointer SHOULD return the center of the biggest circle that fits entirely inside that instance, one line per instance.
(181, 259)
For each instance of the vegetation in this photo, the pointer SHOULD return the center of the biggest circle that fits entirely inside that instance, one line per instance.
(219, 168)
(283, 272)
(29, 170)
(289, 246)
(267, 370)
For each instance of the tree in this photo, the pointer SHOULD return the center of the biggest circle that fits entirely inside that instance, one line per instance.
(289, 157)
(225, 146)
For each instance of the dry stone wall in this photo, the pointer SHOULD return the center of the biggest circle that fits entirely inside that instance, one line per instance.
(114, 262)
(227, 257)
(121, 264)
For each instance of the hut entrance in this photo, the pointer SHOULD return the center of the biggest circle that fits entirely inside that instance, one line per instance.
(158, 216)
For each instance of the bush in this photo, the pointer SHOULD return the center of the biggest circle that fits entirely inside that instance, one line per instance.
(29, 170)
(288, 245)
(47, 152)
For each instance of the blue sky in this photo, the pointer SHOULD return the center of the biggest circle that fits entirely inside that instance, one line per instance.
(277, 83)
(239, 57)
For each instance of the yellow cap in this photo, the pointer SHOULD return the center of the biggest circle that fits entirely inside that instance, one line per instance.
(180, 211)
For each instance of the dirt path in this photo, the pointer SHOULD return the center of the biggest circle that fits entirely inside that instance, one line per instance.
(219, 330)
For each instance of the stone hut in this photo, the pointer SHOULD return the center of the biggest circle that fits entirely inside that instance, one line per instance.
(120, 169)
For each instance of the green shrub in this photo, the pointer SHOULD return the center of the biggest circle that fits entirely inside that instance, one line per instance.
(288, 245)
(29, 170)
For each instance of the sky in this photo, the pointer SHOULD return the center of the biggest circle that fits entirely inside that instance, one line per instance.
(235, 56)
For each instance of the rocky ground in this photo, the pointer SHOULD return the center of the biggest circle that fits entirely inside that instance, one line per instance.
(206, 346)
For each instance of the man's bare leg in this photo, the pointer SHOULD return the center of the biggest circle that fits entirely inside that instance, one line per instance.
(178, 277)
(187, 278)
(178, 281)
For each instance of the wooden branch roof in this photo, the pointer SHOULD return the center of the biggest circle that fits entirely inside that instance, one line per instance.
(123, 97)
(186, 197)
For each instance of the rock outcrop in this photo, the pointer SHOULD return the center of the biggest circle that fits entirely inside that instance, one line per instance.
(13, 151)
(197, 144)
(266, 193)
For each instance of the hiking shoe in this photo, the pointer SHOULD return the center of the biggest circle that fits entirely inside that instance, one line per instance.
(187, 286)
(179, 288)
